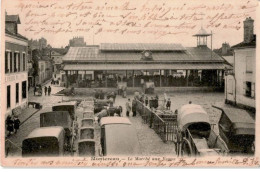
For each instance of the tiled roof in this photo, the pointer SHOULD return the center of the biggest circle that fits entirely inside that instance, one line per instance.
(246, 45)
(202, 32)
(140, 47)
(16, 35)
(92, 53)
(12, 18)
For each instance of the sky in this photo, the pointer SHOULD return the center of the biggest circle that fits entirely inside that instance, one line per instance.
(220, 35)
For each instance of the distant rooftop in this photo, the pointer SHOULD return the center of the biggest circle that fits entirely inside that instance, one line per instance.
(12, 18)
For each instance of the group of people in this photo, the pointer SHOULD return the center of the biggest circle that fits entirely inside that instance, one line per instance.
(12, 124)
(153, 103)
(53, 82)
(47, 89)
(131, 106)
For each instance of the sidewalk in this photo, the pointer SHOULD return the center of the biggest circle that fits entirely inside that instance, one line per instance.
(26, 114)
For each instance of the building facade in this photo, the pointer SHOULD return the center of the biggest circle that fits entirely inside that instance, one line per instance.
(240, 83)
(15, 80)
(167, 65)
(57, 55)
(45, 70)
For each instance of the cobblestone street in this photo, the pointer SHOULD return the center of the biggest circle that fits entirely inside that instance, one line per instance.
(150, 142)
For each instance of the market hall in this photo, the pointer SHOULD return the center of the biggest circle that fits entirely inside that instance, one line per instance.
(167, 65)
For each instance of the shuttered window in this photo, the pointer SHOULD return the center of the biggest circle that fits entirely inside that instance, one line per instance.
(6, 62)
(249, 89)
(15, 62)
(24, 67)
(19, 62)
(11, 62)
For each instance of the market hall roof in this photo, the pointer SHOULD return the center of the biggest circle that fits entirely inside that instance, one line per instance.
(140, 47)
(123, 53)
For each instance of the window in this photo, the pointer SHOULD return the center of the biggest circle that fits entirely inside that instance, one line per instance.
(11, 62)
(249, 64)
(249, 89)
(24, 68)
(6, 62)
(24, 90)
(17, 93)
(8, 96)
(15, 62)
(19, 62)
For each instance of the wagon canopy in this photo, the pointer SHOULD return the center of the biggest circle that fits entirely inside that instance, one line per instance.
(114, 120)
(56, 118)
(66, 106)
(121, 139)
(239, 120)
(192, 114)
(44, 141)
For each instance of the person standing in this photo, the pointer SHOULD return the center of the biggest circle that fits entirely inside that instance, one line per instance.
(146, 101)
(16, 124)
(128, 107)
(45, 90)
(113, 96)
(168, 104)
(156, 102)
(49, 90)
(151, 103)
(10, 125)
(34, 91)
(134, 104)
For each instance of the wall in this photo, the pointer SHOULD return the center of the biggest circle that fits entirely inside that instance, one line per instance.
(12, 78)
(242, 76)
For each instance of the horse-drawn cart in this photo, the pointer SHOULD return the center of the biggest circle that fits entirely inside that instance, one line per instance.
(237, 128)
(195, 136)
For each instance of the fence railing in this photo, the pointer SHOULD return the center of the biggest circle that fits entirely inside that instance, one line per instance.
(164, 125)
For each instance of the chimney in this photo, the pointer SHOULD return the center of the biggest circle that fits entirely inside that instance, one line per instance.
(248, 30)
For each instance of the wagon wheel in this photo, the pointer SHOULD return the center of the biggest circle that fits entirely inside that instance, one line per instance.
(185, 148)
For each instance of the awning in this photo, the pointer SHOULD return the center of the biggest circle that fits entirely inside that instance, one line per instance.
(94, 67)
